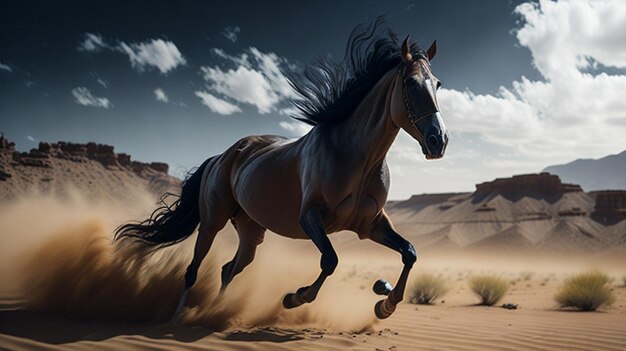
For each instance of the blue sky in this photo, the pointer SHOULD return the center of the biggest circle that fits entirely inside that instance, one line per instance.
(526, 85)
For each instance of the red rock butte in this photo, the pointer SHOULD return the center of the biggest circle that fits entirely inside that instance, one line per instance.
(544, 186)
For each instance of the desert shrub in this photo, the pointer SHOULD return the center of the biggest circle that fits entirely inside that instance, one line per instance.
(526, 276)
(426, 288)
(585, 291)
(489, 288)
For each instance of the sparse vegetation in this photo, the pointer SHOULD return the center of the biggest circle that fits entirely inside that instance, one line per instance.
(526, 276)
(489, 288)
(427, 288)
(586, 291)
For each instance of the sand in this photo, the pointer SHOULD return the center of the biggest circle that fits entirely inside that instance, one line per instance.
(64, 286)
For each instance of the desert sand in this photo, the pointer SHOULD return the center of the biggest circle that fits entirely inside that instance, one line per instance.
(64, 286)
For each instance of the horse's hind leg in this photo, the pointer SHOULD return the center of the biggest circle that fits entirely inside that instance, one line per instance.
(251, 235)
(214, 213)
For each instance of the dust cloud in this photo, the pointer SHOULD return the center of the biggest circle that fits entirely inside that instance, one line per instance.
(58, 257)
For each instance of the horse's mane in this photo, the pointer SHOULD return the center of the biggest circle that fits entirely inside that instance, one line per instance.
(330, 92)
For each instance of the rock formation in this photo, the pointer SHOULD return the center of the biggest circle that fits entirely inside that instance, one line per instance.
(76, 152)
(610, 206)
(539, 186)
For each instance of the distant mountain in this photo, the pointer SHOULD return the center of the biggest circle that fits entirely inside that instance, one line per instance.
(531, 212)
(602, 174)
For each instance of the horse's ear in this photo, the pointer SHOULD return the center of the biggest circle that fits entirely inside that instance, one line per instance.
(432, 50)
(406, 50)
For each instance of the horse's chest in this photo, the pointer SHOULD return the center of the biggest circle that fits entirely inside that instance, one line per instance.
(352, 211)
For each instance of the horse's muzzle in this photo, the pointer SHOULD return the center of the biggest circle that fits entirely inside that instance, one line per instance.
(435, 142)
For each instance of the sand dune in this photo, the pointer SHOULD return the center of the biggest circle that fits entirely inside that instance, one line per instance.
(77, 292)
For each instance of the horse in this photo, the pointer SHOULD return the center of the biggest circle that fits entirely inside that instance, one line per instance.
(333, 178)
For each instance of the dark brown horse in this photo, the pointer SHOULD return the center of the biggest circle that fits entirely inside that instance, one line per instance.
(333, 178)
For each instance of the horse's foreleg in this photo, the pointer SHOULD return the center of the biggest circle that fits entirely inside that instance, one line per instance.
(383, 233)
(311, 223)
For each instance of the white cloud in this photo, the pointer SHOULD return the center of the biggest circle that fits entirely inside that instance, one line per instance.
(152, 53)
(158, 53)
(230, 33)
(160, 95)
(4, 67)
(257, 80)
(30, 138)
(83, 96)
(103, 82)
(92, 43)
(216, 104)
(563, 35)
(295, 128)
(570, 113)
(244, 85)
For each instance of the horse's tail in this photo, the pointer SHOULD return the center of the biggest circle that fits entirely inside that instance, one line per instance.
(169, 225)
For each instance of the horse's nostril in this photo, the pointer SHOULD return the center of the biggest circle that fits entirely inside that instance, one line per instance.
(433, 140)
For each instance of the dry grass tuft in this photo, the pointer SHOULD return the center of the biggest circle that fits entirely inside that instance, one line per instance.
(586, 291)
(489, 288)
(427, 288)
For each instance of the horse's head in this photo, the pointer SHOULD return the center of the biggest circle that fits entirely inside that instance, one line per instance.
(415, 108)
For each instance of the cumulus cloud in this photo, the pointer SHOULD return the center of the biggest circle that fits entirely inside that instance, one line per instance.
(570, 112)
(230, 33)
(575, 110)
(160, 95)
(154, 53)
(92, 43)
(563, 36)
(257, 79)
(216, 104)
(150, 54)
(83, 96)
(295, 128)
(4, 67)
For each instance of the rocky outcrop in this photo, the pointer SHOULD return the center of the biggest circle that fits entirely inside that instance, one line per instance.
(610, 206)
(94, 170)
(77, 152)
(6, 144)
(539, 186)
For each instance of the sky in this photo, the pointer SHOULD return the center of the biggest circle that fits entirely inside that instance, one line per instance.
(525, 84)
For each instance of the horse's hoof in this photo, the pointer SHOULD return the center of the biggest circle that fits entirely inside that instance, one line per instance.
(383, 309)
(291, 301)
(296, 299)
(382, 287)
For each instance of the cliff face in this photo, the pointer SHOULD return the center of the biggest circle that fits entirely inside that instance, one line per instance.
(543, 186)
(95, 170)
(534, 212)
(76, 152)
(610, 206)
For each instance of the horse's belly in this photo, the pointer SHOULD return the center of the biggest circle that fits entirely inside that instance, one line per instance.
(269, 192)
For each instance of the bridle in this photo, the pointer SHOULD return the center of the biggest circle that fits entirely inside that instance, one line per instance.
(426, 106)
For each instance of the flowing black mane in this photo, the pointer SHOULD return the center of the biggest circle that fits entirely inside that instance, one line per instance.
(331, 92)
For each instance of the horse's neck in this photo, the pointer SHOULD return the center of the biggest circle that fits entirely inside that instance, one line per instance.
(370, 130)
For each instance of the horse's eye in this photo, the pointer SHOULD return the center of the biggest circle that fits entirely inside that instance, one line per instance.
(438, 84)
